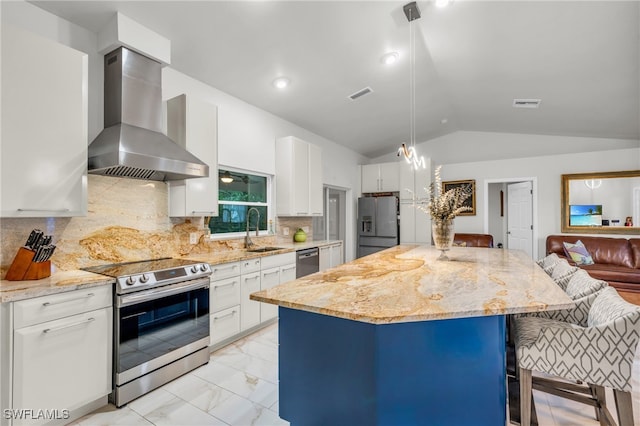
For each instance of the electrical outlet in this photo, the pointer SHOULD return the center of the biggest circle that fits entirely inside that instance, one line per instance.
(193, 238)
(305, 229)
(285, 231)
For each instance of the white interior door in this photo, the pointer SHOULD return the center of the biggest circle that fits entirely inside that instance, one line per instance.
(520, 217)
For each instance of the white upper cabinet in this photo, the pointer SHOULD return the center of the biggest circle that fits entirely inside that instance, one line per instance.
(44, 127)
(414, 184)
(193, 124)
(298, 178)
(383, 177)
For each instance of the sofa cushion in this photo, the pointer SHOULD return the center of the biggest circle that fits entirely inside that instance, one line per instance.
(578, 253)
(635, 251)
(612, 273)
(581, 284)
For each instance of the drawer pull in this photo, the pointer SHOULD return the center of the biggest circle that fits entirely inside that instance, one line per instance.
(51, 330)
(252, 278)
(289, 268)
(270, 273)
(230, 314)
(68, 300)
(225, 268)
(225, 285)
(133, 315)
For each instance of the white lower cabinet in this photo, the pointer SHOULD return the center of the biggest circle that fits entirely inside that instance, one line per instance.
(225, 323)
(249, 309)
(330, 256)
(63, 362)
(270, 278)
(224, 301)
(232, 311)
(324, 261)
(336, 256)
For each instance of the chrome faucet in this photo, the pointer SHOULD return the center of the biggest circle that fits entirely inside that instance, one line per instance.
(247, 240)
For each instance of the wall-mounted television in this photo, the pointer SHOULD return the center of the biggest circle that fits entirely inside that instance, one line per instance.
(585, 215)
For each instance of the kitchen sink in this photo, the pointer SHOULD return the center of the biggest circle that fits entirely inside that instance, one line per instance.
(263, 249)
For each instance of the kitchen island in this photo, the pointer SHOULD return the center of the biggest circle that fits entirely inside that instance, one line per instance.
(399, 337)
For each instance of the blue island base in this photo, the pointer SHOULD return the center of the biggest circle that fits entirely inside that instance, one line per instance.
(335, 371)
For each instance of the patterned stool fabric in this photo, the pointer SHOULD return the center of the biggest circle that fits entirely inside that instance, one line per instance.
(547, 263)
(599, 352)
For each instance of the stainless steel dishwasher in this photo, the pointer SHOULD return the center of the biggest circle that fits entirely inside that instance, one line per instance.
(307, 261)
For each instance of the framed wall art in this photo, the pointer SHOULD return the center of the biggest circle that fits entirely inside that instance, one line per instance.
(469, 202)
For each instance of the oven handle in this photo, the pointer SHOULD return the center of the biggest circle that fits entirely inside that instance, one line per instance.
(170, 290)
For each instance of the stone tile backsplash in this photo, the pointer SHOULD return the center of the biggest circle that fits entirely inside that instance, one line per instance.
(127, 220)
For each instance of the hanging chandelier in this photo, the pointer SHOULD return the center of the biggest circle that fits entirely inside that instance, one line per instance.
(409, 152)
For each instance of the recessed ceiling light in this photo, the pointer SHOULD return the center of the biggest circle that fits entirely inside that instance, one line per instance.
(389, 58)
(442, 3)
(281, 82)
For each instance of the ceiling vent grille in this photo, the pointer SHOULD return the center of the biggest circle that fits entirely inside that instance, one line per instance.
(360, 93)
(526, 103)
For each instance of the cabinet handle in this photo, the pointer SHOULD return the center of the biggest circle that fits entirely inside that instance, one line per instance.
(302, 213)
(44, 210)
(225, 268)
(270, 273)
(252, 278)
(68, 300)
(232, 313)
(224, 285)
(203, 211)
(381, 184)
(51, 330)
(290, 267)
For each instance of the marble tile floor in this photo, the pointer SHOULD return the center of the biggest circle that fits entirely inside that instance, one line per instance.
(239, 387)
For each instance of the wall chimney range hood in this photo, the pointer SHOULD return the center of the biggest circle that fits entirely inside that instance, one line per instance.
(132, 144)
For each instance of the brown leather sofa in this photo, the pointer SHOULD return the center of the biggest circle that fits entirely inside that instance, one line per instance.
(473, 240)
(616, 260)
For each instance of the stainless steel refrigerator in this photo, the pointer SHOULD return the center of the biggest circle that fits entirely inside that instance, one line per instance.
(378, 226)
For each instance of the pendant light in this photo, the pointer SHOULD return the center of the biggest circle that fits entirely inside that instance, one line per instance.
(409, 152)
(226, 177)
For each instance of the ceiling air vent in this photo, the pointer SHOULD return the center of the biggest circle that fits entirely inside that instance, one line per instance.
(526, 103)
(360, 93)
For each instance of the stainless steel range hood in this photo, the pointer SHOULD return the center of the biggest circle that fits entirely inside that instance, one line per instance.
(132, 143)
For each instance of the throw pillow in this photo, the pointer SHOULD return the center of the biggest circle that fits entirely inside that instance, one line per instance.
(460, 244)
(581, 284)
(578, 253)
(562, 273)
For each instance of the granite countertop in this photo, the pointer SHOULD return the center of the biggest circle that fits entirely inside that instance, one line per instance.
(406, 283)
(58, 282)
(62, 281)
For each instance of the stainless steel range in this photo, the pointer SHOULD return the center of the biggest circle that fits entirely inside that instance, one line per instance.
(161, 323)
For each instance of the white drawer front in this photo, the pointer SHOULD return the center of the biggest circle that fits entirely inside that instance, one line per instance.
(224, 293)
(63, 363)
(269, 262)
(224, 270)
(225, 324)
(250, 265)
(47, 308)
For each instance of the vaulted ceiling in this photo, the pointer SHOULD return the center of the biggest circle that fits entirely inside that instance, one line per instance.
(472, 59)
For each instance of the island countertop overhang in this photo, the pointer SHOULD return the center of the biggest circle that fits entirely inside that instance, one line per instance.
(406, 283)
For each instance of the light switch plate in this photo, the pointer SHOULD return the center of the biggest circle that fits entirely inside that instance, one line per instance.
(285, 231)
(305, 229)
(193, 238)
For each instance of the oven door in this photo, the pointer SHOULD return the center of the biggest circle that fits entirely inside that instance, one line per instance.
(156, 327)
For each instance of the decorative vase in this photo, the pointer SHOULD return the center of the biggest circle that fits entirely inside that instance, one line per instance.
(442, 231)
(300, 236)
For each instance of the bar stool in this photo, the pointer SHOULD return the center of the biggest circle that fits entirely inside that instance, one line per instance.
(599, 354)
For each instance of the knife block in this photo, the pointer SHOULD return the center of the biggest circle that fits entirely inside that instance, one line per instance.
(24, 268)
